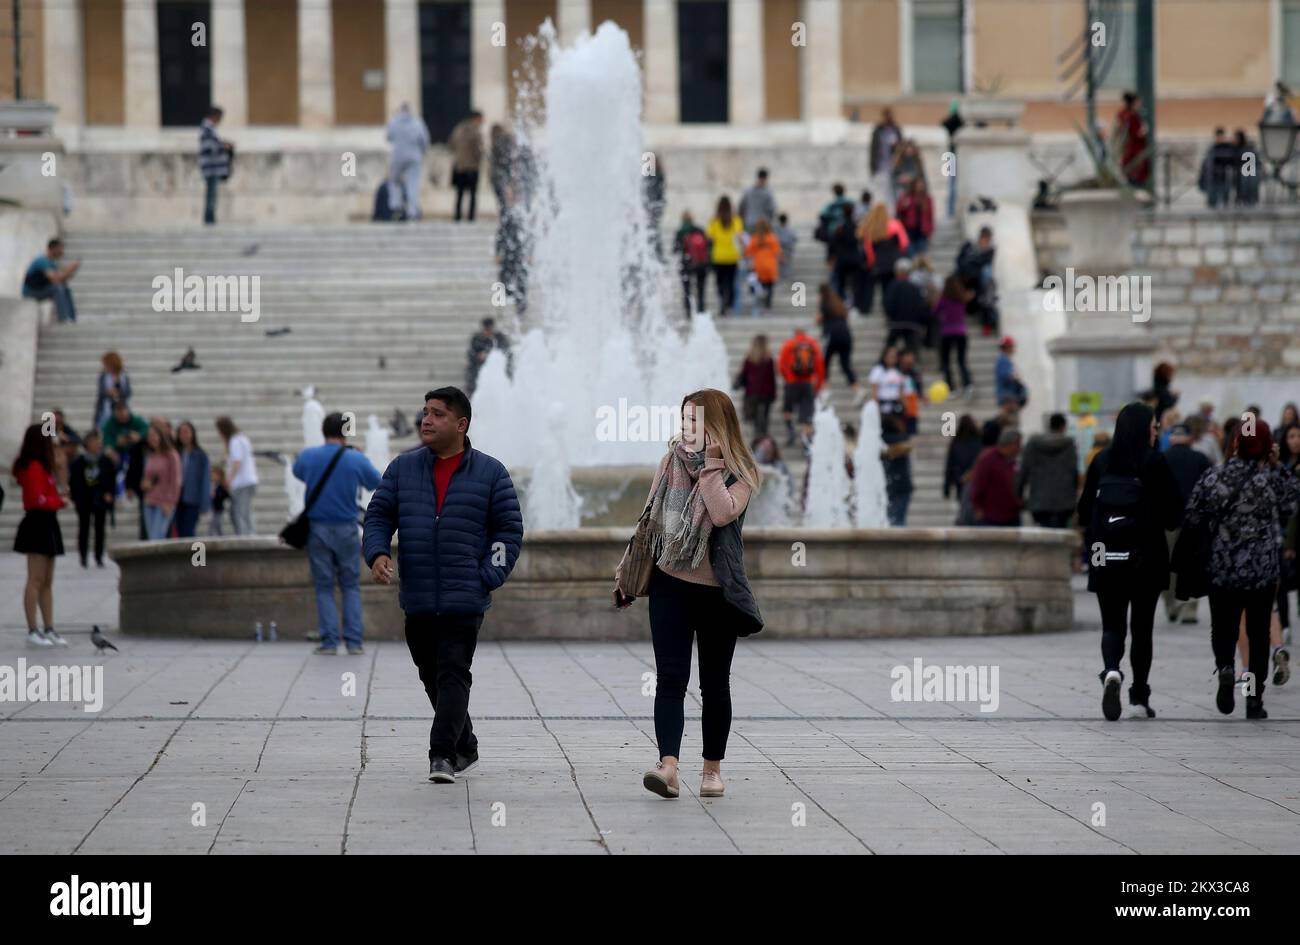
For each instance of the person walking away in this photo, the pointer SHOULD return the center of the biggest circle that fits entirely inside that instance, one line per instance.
(333, 541)
(1007, 384)
(757, 378)
(1049, 470)
(951, 313)
(884, 242)
(698, 589)
(963, 450)
(1162, 376)
(214, 162)
(975, 266)
(1204, 440)
(39, 538)
(1289, 442)
(831, 216)
(993, 483)
(693, 254)
(907, 168)
(886, 382)
(1129, 501)
(114, 384)
(764, 250)
(466, 157)
(1242, 504)
(803, 368)
(786, 236)
(757, 203)
(481, 344)
(1218, 170)
(654, 195)
(47, 278)
(408, 137)
(723, 232)
(241, 476)
(196, 481)
(1007, 417)
(91, 482)
(513, 250)
(461, 528)
(837, 337)
(161, 483)
(885, 137)
(1187, 466)
(896, 457)
(1130, 136)
(916, 214)
(846, 266)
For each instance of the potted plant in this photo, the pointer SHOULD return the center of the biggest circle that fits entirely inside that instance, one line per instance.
(1101, 211)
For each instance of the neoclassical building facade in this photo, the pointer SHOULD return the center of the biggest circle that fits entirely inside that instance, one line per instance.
(119, 70)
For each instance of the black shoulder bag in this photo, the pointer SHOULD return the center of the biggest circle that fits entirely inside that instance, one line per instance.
(295, 533)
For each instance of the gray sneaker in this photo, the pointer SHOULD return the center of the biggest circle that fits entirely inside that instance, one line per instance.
(356, 650)
(325, 650)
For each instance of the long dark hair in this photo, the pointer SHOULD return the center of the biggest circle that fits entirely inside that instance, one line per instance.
(194, 436)
(1132, 440)
(723, 212)
(36, 448)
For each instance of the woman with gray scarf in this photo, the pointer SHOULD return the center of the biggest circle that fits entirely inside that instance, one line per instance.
(698, 589)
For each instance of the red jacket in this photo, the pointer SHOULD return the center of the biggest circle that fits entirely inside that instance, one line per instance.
(993, 489)
(786, 361)
(916, 215)
(40, 491)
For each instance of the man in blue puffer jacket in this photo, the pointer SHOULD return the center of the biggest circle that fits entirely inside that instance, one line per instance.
(461, 531)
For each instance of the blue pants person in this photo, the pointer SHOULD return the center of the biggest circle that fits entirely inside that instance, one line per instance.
(62, 295)
(334, 552)
(210, 199)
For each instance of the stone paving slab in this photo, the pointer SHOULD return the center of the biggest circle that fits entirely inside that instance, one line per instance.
(287, 752)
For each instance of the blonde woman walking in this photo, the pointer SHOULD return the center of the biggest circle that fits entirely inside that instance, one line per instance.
(698, 589)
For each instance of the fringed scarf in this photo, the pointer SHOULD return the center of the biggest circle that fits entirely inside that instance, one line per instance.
(679, 522)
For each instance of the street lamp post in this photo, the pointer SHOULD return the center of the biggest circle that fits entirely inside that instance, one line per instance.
(1277, 137)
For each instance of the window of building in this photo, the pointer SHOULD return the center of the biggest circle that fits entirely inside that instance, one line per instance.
(702, 47)
(937, 55)
(184, 69)
(445, 65)
(1291, 42)
(1120, 55)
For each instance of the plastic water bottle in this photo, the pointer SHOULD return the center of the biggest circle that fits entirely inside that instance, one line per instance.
(257, 632)
(275, 634)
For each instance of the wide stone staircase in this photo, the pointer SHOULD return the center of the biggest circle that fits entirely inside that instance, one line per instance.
(375, 315)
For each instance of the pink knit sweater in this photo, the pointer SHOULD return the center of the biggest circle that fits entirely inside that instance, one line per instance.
(724, 505)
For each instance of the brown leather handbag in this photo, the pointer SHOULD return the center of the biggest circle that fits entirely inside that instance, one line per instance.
(640, 558)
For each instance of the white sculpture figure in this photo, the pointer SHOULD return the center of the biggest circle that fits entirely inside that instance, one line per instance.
(294, 488)
(313, 415)
(376, 451)
(870, 509)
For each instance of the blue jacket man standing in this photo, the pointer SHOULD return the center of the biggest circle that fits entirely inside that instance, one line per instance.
(461, 531)
(333, 546)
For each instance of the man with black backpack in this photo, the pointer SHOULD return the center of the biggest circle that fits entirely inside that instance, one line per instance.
(333, 472)
(804, 371)
(1130, 499)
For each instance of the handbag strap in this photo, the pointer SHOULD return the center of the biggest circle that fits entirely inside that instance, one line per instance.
(316, 489)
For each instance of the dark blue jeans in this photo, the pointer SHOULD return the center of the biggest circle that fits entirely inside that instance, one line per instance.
(334, 551)
(210, 200)
(62, 295)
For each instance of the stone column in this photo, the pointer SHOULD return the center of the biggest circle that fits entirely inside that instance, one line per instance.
(315, 64)
(574, 18)
(745, 62)
(402, 55)
(64, 63)
(141, 100)
(659, 29)
(822, 83)
(229, 61)
(488, 63)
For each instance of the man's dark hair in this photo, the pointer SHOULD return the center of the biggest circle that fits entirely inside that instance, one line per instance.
(1056, 423)
(489, 323)
(1219, 132)
(866, 198)
(475, 113)
(1130, 98)
(215, 112)
(837, 190)
(782, 219)
(762, 173)
(986, 231)
(53, 243)
(455, 400)
(332, 426)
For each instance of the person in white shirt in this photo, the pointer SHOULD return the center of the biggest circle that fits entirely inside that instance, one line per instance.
(886, 382)
(241, 475)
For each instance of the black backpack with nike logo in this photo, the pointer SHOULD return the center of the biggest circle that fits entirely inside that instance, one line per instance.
(1117, 524)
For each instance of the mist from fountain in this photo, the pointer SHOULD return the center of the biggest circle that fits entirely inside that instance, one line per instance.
(869, 501)
(827, 505)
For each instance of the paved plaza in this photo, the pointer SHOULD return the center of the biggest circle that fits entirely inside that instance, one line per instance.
(233, 747)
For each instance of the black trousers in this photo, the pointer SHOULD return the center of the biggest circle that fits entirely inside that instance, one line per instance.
(725, 275)
(841, 344)
(1226, 607)
(680, 611)
(1129, 610)
(85, 518)
(466, 183)
(1053, 519)
(699, 277)
(949, 344)
(442, 648)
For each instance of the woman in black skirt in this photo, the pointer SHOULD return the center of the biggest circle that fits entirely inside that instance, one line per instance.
(39, 536)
